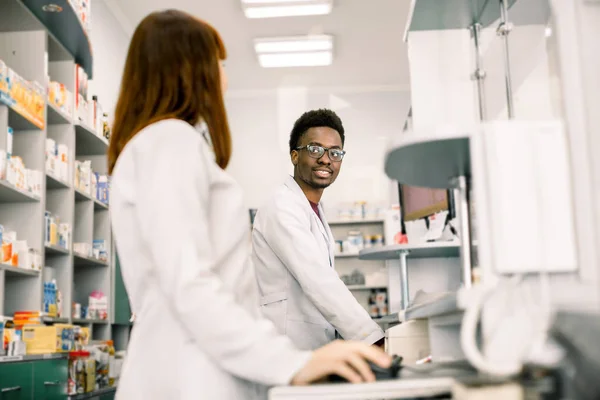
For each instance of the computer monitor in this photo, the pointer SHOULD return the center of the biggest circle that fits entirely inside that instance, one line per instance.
(419, 202)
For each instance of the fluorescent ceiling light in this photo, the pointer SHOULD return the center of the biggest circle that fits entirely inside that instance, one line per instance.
(278, 1)
(279, 60)
(285, 8)
(296, 51)
(293, 44)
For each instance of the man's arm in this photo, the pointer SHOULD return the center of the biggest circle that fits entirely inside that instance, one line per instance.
(287, 234)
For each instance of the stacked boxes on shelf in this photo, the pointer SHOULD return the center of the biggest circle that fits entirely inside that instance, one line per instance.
(17, 253)
(13, 170)
(57, 234)
(91, 183)
(26, 98)
(57, 160)
(60, 97)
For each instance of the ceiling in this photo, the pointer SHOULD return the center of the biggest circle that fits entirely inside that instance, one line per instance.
(369, 51)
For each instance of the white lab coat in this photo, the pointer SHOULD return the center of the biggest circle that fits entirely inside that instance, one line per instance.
(293, 253)
(182, 236)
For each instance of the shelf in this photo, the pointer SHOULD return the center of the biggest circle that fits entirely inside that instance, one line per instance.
(10, 194)
(429, 160)
(425, 250)
(389, 320)
(81, 196)
(356, 222)
(431, 15)
(16, 271)
(52, 182)
(98, 205)
(55, 250)
(90, 321)
(17, 120)
(96, 394)
(446, 303)
(87, 143)
(366, 287)
(55, 320)
(55, 116)
(66, 28)
(82, 261)
(346, 255)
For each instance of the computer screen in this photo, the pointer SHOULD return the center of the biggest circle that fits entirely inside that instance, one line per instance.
(419, 202)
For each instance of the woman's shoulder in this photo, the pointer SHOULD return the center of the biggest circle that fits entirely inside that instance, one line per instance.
(170, 129)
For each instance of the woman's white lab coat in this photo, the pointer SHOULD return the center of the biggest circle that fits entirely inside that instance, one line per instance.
(182, 237)
(299, 288)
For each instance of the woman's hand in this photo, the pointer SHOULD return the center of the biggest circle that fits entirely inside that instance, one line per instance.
(345, 359)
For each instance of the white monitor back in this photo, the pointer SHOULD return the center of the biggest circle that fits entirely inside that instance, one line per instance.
(522, 198)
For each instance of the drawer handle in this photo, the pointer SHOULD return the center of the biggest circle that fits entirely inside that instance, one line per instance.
(11, 389)
(54, 383)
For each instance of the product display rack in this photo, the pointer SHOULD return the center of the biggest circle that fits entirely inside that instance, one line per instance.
(348, 262)
(43, 46)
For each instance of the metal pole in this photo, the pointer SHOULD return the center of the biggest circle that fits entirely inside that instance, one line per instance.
(504, 30)
(479, 74)
(465, 229)
(404, 276)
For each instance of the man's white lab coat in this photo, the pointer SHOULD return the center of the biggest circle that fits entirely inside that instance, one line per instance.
(293, 254)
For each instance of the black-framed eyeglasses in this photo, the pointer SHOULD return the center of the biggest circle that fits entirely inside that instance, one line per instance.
(316, 151)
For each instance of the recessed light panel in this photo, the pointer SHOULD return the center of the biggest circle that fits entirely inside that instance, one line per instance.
(297, 51)
(285, 8)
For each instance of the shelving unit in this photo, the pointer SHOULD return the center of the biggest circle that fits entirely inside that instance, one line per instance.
(403, 252)
(346, 263)
(45, 46)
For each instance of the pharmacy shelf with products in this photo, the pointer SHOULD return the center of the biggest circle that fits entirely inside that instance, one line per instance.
(57, 270)
(358, 226)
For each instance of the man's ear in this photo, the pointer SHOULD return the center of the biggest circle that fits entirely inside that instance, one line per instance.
(294, 157)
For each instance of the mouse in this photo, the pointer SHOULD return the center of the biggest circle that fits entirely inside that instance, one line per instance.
(381, 374)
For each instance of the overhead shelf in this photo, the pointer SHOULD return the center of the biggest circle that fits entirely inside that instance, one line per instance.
(356, 222)
(432, 161)
(11, 194)
(66, 28)
(433, 15)
(88, 143)
(366, 287)
(425, 250)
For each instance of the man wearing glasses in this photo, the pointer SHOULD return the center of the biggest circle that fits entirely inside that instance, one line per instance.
(294, 249)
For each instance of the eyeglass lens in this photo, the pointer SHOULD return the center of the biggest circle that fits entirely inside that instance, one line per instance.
(318, 151)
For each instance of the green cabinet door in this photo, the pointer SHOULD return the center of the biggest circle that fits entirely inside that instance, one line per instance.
(50, 379)
(122, 308)
(16, 381)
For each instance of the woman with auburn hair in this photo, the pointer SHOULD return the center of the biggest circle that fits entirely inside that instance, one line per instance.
(181, 233)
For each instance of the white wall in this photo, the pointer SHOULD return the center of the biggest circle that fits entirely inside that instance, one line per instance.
(109, 44)
(261, 123)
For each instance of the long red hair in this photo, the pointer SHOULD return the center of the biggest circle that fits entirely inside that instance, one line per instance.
(172, 71)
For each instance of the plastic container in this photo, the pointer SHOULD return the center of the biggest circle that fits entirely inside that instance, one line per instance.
(112, 370)
(77, 372)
